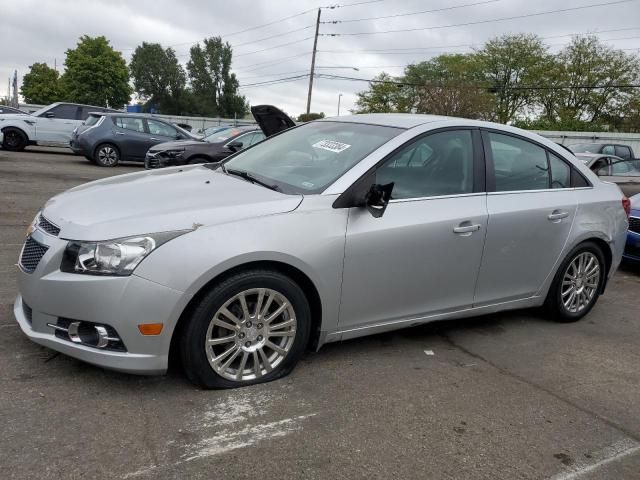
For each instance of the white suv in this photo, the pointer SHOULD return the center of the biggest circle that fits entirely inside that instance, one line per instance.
(51, 125)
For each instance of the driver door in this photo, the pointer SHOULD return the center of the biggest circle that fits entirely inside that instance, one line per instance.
(423, 255)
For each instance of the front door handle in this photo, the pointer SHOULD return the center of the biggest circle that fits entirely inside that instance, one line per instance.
(154, 138)
(119, 133)
(466, 228)
(557, 215)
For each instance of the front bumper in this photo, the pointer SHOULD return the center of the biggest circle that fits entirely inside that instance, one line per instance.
(119, 302)
(160, 160)
(632, 246)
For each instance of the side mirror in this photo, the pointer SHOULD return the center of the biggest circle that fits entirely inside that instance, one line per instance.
(50, 115)
(234, 146)
(377, 198)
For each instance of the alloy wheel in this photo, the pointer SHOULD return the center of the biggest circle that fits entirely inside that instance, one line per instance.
(250, 334)
(107, 155)
(12, 139)
(580, 282)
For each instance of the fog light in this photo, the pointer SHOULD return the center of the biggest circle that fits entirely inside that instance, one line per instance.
(150, 328)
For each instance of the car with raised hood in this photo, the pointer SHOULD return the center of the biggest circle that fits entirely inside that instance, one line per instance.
(51, 125)
(327, 231)
(220, 143)
(619, 150)
(623, 172)
(106, 139)
(632, 248)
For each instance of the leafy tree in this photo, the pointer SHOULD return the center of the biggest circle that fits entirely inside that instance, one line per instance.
(449, 85)
(41, 85)
(213, 85)
(159, 78)
(586, 62)
(510, 62)
(385, 95)
(307, 117)
(96, 74)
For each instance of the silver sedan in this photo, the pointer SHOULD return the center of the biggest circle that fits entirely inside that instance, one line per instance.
(327, 231)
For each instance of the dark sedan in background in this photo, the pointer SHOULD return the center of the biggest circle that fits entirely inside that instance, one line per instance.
(221, 143)
(108, 138)
(632, 248)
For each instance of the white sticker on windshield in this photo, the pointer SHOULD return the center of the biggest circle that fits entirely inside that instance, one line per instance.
(308, 184)
(335, 147)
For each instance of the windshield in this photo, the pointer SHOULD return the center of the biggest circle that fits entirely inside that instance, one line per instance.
(585, 148)
(307, 159)
(223, 135)
(92, 119)
(211, 130)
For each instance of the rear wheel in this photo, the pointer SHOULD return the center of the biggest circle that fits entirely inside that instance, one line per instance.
(14, 139)
(251, 328)
(106, 155)
(577, 284)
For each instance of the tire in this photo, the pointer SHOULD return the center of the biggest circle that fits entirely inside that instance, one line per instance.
(14, 139)
(106, 155)
(584, 290)
(231, 361)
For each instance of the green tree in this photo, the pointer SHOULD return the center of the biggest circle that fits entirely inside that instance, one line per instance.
(449, 85)
(307, 117)
(214, 86)
(96, 74)
(588, 62)
(159, 79)
(41, 85)
(508, 63)
(385, 95)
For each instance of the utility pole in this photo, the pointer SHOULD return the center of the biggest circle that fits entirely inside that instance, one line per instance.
(313, 62)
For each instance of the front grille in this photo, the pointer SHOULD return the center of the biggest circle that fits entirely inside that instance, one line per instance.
(28, 312)
(48, 227)
(632, 250)
(152, 162)
(634, 224)
(32, 253)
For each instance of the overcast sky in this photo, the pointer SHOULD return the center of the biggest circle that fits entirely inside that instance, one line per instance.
(41, 31)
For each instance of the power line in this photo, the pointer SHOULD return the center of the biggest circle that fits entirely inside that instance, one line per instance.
(400, 51)
(271, 48)
(521, 87)
(275, 81)
(502, 19)
(258, 66)
(412, 13)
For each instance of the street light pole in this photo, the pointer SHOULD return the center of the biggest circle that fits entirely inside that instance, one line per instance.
(339, 96)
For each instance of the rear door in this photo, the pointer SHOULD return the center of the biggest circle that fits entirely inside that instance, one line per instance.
(131, 137)
(531, 208)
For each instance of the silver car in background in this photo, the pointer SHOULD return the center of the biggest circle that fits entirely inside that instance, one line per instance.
(330, 230)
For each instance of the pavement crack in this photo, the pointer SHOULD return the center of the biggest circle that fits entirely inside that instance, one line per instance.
(546, 390)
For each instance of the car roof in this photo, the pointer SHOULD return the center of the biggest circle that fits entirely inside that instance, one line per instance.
(398, 120)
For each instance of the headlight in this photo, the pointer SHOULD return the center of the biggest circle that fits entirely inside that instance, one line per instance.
(174, 153)
(112, 257)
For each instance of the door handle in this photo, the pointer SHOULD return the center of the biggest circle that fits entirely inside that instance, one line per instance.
(557, 215)
(119, 133)
(154, 138)
(466, 230)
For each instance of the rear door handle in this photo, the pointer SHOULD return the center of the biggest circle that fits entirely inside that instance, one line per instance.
(466, 228)
(557, 215)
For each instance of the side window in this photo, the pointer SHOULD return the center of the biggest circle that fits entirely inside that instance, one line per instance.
(560, 172)
(438, 164)
(65, 111)
(85, 111)
(623, 152)
(622, 167)
(257, 137)
(130, 123)
(608, 150)
(246, 139)
(518, 164)
(159, 128)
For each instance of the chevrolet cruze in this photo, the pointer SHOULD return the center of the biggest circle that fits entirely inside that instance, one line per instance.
(327, 231)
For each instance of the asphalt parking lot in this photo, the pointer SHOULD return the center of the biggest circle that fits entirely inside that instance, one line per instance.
(508, 396)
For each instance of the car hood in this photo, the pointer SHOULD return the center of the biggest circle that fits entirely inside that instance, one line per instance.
(175, 145)
(271, 119)
(179, 198)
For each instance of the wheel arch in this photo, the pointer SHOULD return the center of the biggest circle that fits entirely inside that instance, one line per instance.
(297, 275)
(199, 156)
(20, 129)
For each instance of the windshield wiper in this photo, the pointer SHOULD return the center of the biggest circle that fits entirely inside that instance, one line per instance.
(250, 178)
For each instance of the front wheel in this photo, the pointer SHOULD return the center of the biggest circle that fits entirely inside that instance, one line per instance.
(251, 328)
(577, 284)
(106, 155)
(14, 140)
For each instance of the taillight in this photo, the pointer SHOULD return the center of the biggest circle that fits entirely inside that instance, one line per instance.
(626, 204)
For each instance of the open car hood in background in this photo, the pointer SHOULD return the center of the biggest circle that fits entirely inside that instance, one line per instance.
(271, 120)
